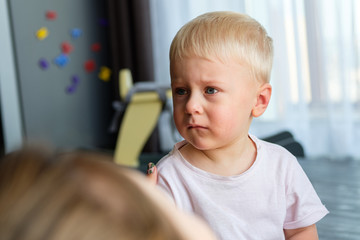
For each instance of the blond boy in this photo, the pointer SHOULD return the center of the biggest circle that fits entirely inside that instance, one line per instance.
(245, 188)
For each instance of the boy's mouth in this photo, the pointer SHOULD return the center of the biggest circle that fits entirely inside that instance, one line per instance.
(195, 126)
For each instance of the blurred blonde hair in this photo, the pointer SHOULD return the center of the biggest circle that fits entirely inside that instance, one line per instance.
(225, 36)
(74, 196)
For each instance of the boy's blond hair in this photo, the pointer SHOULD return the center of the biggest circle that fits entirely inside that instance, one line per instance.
(225, 36)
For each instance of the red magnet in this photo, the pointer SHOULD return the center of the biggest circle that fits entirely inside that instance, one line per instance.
(66, 48)
(89, 65)
(51, 15)
(96, 47)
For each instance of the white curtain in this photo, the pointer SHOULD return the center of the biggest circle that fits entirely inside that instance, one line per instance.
(316, 72)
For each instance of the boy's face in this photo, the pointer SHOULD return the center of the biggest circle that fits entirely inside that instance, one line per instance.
(213, 101)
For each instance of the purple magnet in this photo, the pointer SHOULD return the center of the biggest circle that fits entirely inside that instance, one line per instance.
(70, 89)
(75, 80)
(103, 22)
(43, 64)
(62, 60)
(73, 86)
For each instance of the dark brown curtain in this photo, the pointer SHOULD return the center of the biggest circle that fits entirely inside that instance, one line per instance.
(130, 37)
(131, 46)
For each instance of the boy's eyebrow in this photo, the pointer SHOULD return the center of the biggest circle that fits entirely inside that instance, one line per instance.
(202, 80)
(211, 81)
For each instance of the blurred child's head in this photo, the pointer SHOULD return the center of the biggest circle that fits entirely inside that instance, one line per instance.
(225, 36)
(84, 196)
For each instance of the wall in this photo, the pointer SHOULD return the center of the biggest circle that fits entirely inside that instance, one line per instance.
(55, 76)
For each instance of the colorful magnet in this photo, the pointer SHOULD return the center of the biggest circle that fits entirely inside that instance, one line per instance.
(96, 47)
(70, 89)
(76, 33)
(43, 64)
(89, 66)
(75, 80)
(62, 60)
(51, 15)
(42, 33)
(73, 86)
(66, 48)
(104, 73)
(103, 22)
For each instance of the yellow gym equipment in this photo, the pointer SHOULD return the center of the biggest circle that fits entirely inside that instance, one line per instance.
(144, 102)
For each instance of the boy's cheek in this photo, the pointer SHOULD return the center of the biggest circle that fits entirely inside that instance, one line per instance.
(178, 107)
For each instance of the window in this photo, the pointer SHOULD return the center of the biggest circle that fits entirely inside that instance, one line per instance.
(316, 72)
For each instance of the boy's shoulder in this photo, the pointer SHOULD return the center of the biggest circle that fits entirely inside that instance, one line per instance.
(270, 147)
(165, 161)
(272, 152)
(172, 159)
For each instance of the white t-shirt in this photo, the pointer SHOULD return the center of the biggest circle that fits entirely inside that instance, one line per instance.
(272, 195)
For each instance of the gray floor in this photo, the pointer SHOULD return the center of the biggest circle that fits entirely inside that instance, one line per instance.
(338, 185)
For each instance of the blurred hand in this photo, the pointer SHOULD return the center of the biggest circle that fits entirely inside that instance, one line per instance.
(152, 173)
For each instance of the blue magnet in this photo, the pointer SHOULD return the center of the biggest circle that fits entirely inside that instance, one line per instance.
(62, 60)
(76, 33)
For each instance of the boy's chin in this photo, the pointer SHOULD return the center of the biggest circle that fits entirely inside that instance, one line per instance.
(200, 145)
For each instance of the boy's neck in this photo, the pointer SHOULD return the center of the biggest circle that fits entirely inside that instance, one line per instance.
(227, 161)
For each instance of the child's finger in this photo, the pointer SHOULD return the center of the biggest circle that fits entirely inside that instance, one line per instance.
(152, 173)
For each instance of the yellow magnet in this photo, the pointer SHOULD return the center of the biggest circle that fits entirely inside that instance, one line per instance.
(104, 74)
(42, 33)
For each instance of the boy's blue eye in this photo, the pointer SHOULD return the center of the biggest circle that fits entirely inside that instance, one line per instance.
(180, 91)
(210, 90)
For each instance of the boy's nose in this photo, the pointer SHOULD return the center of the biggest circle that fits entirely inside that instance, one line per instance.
(193, 105)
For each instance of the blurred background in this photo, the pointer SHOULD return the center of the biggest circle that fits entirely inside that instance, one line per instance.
(59, 80)
(315, 78)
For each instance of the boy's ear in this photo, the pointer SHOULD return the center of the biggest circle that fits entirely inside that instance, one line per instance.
(262, 101)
